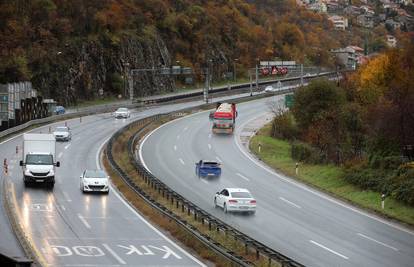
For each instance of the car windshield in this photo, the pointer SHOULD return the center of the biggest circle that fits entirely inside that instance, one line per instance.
(39, 159)
(94, 174)
(210, 164)
(241, 195)
(62, 129)
(122, 110)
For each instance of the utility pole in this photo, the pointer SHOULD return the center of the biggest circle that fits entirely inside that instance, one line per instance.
(257, 77)
(251, 83)
(207, 85)
(301, 74)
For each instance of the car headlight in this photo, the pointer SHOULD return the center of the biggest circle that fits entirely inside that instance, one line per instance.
(51, 173)
(27, 172)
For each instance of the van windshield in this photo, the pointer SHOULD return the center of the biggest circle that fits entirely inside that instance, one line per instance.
(39, 160)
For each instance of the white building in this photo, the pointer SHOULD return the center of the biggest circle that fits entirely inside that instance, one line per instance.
(339, 22)
(391, 41)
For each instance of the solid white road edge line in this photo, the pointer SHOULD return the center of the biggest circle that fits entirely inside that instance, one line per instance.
(113, 253)
(84, 221)
(299, 185)
(328, 249)
(242, 176)
(376, 241)
(289, 202)
(121, 198)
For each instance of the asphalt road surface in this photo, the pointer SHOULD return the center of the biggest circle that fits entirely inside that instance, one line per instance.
(294, 219)
(69, 228)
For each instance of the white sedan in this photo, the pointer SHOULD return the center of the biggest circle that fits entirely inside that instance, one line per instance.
(94, 181)
(269, 88)
(122, 113)
(235, 199)
(62, 133)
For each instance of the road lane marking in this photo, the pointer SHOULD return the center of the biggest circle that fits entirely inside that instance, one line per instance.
(186, 128)
(67, 146)
(376, 241)
(204, 181)
(182, 161)
(209, 146)
(67, 197)
(218, 159)
(63, 207)
(289, 202)
(178, 136)
(113, 253)
(84, 221)
(242, 176)
(209, 135)
(330, 250)
(60, 155)
(175, 148)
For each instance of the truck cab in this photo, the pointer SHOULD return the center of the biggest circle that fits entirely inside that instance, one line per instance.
(208, 168)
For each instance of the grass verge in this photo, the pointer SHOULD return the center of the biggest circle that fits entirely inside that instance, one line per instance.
(276, 154)
(122, 158)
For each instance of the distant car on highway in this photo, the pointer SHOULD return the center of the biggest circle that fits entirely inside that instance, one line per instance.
(235, 200)
(270, 88)
(62, 133)
(59, 110)
(206, 168)
(122, 113)
(94, 181)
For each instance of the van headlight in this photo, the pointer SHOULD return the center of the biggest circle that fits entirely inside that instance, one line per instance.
(51, 173)
(27, 173)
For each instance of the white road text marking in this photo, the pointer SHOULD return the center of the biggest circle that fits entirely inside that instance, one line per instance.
(113, 253)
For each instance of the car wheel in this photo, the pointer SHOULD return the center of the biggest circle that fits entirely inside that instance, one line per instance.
(225, 208)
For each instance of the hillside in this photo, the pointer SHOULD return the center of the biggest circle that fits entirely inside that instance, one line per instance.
(70, 49)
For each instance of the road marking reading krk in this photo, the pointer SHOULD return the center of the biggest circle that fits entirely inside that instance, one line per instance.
(116, 251)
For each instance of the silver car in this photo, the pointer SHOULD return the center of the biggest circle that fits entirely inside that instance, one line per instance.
(62, 133)
(122, 113)
(235, 200)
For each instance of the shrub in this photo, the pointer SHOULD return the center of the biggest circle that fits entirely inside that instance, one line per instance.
(306, 153)
(284, 126)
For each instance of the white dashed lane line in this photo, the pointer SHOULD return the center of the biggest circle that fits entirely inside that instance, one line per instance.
(328, 249)
(182, 161)
(84, 221)
(209, 146)
(60, 155)
(67, 146)
(290, 202)
(175, 148)
(242, 176)
(378, 242)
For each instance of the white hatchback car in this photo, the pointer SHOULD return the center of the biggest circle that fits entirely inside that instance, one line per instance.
(122, 113)
(235, 199)
(269, 88)
(94, 181)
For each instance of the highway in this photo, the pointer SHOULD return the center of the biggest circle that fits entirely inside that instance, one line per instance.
(304, 224)
(69, 228)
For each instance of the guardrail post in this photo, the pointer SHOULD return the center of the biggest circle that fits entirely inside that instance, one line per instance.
(195, 215)
(182, 207)
(80, 119)
(50, 129)
(209, 225)
(257, 254)
(177, 204)
(269, 262)
(17, 149)
(188, 210)
(246, 249)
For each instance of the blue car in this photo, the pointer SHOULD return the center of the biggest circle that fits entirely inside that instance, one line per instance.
(208, 169)
(59, 110)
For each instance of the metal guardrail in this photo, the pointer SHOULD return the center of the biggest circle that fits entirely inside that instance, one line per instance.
(237, 87)
(214, 224)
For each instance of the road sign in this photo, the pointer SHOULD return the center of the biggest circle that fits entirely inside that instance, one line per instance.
(289, 99)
